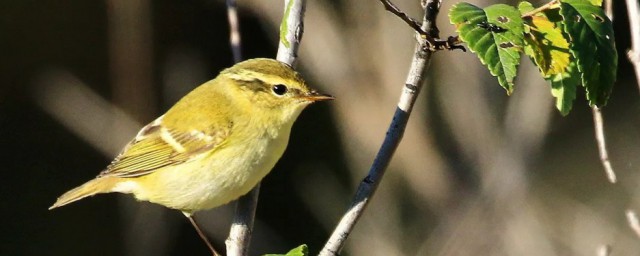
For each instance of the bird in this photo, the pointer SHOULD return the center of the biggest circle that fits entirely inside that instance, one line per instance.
(213, 146)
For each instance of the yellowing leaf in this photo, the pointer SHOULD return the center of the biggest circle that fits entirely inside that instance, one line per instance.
(563, 88)
(551, 49)
(544, 42)
(548, 48)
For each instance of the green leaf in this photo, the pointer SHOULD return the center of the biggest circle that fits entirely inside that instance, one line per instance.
(525, 7)
(495, 34)
(545, 43)
(547, 47)
(301, 250)
(563, 88)
(593, 47)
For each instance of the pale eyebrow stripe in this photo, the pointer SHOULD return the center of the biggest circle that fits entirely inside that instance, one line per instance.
(250, 76)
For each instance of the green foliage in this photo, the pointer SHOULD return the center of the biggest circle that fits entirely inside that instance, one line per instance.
(546, 44)
(563, 88)
(495, 35)
(570, 41)
(549, 50)
(596, 2)
(301, 250)
(593, 47)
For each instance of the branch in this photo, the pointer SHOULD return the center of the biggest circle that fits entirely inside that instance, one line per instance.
(242, 226)
(410, 90)
(598, 125)
(632, 219)
(389, 6)
(433, 43)
(291, 30)
(608, 8)
(550, 5)
(633, 10)
(602, 144)
(234, 30)
(604, 250)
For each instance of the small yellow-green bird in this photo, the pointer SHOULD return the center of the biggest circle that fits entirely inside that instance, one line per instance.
(214, 145)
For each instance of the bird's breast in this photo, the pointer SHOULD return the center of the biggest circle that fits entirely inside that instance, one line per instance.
(217, 177)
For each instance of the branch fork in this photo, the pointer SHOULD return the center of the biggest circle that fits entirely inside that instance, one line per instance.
(433, 42)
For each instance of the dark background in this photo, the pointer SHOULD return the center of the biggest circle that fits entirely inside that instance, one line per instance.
(185, 43)
(42, 159)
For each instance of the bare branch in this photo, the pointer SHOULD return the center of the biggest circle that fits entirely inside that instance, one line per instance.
(634, 223)
(202, 235)
(234, 30)
(389, 6)
(291, 30)
(604, 250)
(633, 11)
(598, 125)
(433, 43)
(410, 90)
(608, 8)
(602, 144)
(547, 6)
(242, 226)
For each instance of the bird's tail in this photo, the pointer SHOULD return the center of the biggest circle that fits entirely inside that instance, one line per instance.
(92, 187)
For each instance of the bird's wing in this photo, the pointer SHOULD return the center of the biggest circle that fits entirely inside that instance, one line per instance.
(156, 147)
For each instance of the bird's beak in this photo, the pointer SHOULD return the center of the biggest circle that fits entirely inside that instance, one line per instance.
(314, 96)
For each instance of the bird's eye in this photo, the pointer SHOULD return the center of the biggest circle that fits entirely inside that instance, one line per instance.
(279, 89)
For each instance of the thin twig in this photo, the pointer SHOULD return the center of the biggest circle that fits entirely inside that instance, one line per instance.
(608, 8)
(410, 90)
(547, 6)
(291, 30)
(234, 30)
(598, 124)
(389, 6)
(242, 226)
(633, 11)
(634, 223)
(604, 250)
(432, 43)
(602, 144)
(202, 235)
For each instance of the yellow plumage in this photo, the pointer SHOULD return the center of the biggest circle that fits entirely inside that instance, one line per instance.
(212, 146)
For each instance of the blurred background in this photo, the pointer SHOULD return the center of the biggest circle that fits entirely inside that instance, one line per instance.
(478, 172)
